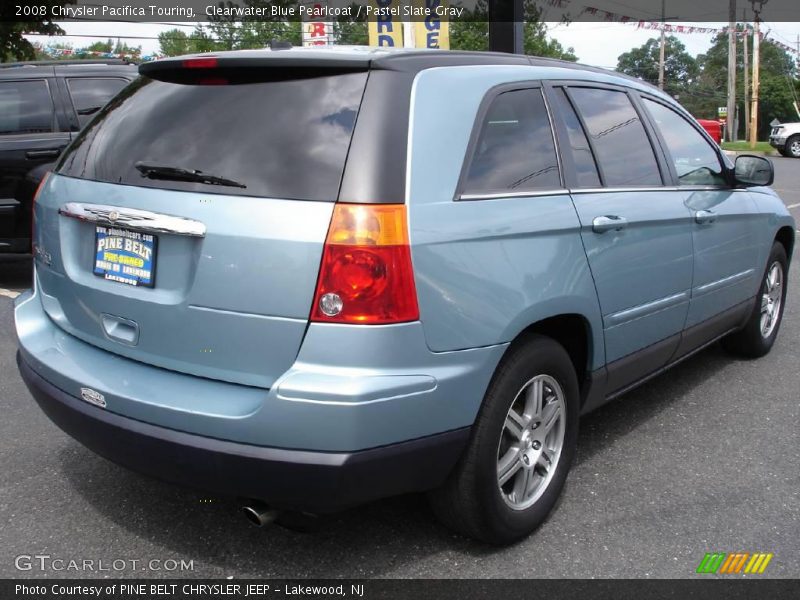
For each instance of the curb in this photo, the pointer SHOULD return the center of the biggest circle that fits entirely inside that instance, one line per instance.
(751, 152)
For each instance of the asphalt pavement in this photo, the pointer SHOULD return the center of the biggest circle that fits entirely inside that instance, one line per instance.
(702, 459)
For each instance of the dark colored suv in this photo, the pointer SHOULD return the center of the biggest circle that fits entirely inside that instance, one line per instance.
(42, 106)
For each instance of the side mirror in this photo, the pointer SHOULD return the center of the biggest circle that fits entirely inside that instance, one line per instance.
(753, 171)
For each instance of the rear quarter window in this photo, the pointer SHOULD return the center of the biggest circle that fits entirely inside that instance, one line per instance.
(514, 151)
(281, 139)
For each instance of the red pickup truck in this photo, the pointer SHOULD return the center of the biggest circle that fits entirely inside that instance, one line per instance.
(714, 129)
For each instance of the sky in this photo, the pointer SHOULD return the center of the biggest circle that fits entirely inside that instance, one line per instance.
(595, 43)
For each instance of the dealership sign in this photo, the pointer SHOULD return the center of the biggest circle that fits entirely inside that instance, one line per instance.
(390, 23)
(316, 30)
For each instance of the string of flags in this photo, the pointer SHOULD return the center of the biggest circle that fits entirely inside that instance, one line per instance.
(661, 26)
(81, 53)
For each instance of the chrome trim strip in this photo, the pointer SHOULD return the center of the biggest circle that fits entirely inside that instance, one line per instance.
(721, 283)
(665, 188)
(501, 195)
(629, 314)
(133, 218)
(602, 190)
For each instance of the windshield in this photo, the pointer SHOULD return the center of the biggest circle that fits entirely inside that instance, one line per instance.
(279, 139)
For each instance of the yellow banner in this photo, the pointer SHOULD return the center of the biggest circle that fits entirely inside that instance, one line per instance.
(386, 28)
(433, 31)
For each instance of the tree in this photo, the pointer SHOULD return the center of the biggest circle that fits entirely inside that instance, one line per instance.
(256, 32)
(471, 32)
(352, 30)
(680, 69)
(173, 43)
(13, 46)
(104, 47)
(778, 80)
(123, 48)
(202, 41)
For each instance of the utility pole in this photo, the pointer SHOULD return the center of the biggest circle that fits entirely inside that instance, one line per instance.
(746, 77)
(730, 134)
(756, 60)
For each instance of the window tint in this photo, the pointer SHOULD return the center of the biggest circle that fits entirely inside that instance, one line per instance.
(25, 107)
(515, 151)
(90, 94)
(695, 160)
(619, 138)
(284, 138)
(581, 151)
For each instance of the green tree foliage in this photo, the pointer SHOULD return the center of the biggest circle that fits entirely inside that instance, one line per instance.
(101, 46)
(680, 69)
(202, 41)
(174, 43)
(471, 32)
(778, 79)
(700, 84)
(13, 46)
(233, 34)
(352, 30)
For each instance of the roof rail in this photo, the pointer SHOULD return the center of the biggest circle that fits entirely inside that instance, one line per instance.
(77, 61)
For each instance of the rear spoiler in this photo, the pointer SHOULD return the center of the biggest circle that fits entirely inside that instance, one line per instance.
(283, 66)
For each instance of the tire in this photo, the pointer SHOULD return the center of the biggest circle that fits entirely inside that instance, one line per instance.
(472, 501)
(793, 146)
(758, 335)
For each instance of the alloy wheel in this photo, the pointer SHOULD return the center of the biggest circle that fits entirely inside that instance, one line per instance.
(531, 442)
(771, 299)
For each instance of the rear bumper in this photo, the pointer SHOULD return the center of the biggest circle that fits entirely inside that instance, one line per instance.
(296, 479)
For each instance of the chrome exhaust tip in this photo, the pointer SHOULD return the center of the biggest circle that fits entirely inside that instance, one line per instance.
(259, 514)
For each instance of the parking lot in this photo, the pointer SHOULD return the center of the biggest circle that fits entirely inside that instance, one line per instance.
(702, 459)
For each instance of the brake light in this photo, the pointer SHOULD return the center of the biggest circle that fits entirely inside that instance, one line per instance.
(33, 208)
(203, 62)
(366, 274)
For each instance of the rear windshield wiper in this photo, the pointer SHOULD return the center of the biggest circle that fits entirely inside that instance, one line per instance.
(178, 174)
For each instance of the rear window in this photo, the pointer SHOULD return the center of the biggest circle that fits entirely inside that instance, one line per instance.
(281, 139)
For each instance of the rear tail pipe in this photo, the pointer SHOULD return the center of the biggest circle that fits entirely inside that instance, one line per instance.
(259, 513)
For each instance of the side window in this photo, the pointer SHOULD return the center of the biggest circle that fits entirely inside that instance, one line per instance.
(618, 136)
(90, 94)
(515, 150)
(581, 151)
(25, 107)
(696, 162)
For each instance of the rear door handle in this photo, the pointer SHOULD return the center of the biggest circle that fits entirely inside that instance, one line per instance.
(609, 223)
(704, 216)
(49, 153)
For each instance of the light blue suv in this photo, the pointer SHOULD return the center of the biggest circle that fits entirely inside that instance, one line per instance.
(320, 277)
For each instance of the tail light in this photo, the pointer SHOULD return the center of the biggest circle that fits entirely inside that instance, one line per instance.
(33, 209)
(201, 62)
(366, 274)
